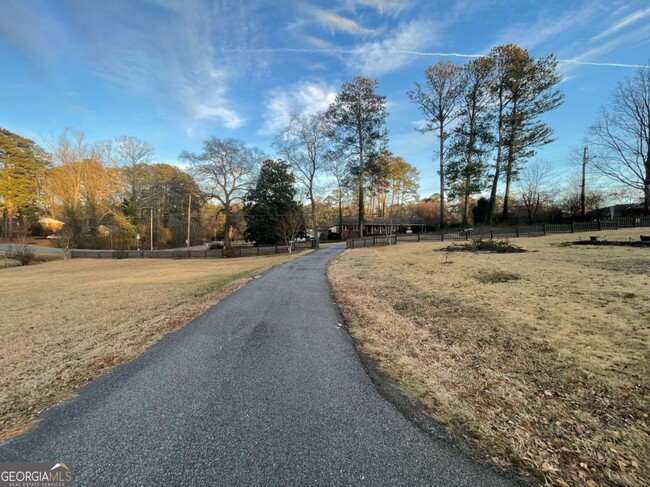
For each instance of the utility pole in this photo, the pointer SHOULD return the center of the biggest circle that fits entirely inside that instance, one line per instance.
(150, 208)
(151, 228)
(189, 220)
(582, 189)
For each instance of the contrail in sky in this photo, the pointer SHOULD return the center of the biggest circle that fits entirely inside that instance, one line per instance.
(419, 53)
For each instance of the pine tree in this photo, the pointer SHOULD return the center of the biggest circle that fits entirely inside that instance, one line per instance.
(524, 89)
(438, 100)
(358, 117)
(22, 164)
(534, 92)
(472, 139)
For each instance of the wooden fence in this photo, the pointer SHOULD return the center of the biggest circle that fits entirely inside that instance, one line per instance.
(190, 254)
(501, 232)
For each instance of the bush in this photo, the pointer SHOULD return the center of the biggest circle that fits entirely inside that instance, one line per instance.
(22, 255)
(215, 246)
(489, 245)
(333, 236)
(498, 246)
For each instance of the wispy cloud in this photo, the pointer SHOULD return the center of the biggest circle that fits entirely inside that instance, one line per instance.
(623, 23)
(394, 51)
(166, 53)
(391, 7)
(335, 22)
(582, 60)
(548, 26)
(24, 27)
(592, 56)
(305, 97)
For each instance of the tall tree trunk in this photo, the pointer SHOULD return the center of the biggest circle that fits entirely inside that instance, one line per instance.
(511, 160)
(314, 219)
(226, 236)
(442, 177)
(466, 203)
(495, 181)
(361, 170)
(506, 196)
(10, 223)
(646, 181)
(468, 171)
(340, 212)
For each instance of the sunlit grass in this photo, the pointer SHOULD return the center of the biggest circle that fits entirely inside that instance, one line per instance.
(543, 357)
(63, 323)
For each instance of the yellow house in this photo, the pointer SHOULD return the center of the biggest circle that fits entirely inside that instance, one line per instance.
(50, 224)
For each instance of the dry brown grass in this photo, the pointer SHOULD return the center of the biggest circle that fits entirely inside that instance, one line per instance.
(64, 323)
(549, 371)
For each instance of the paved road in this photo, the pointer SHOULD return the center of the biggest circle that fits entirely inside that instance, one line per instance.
(55, 250)
(33, 248)
(263, 389)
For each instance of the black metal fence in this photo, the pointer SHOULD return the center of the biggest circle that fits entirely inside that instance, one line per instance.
(243, 251)
(501, 232)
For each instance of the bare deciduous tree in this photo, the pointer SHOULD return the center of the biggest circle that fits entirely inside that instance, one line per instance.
(80, 184)
(128, 153)
(303, 144)
(288, 227)
(225, 167)
(533, 187)
(338, 167)
(621, 138)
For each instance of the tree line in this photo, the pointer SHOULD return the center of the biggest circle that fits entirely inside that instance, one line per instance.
(486, 117)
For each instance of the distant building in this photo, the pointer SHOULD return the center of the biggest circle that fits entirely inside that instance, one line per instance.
(323, 230)
(381, 226)
(50, 225)
(619, 211)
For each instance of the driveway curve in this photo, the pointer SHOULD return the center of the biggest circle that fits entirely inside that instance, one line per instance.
(263, 389)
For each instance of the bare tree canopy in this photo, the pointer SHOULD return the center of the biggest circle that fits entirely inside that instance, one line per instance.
(338, 168)
(534, 188)
(621, 138)
(130, 151)
(289, 226)
(304, 144)
(130, 154)
(224, 169)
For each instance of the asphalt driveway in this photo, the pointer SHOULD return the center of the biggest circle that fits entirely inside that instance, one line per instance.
(263, 389)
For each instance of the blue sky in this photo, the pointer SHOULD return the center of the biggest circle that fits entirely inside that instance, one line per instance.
(173, 72)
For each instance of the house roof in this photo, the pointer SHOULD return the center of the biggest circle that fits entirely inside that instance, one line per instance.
(620, 208)
(46, 220)
(376, 220)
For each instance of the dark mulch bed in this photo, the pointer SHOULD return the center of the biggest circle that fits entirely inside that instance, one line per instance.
(615, 243)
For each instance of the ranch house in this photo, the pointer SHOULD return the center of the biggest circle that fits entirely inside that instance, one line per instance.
(381, 226)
